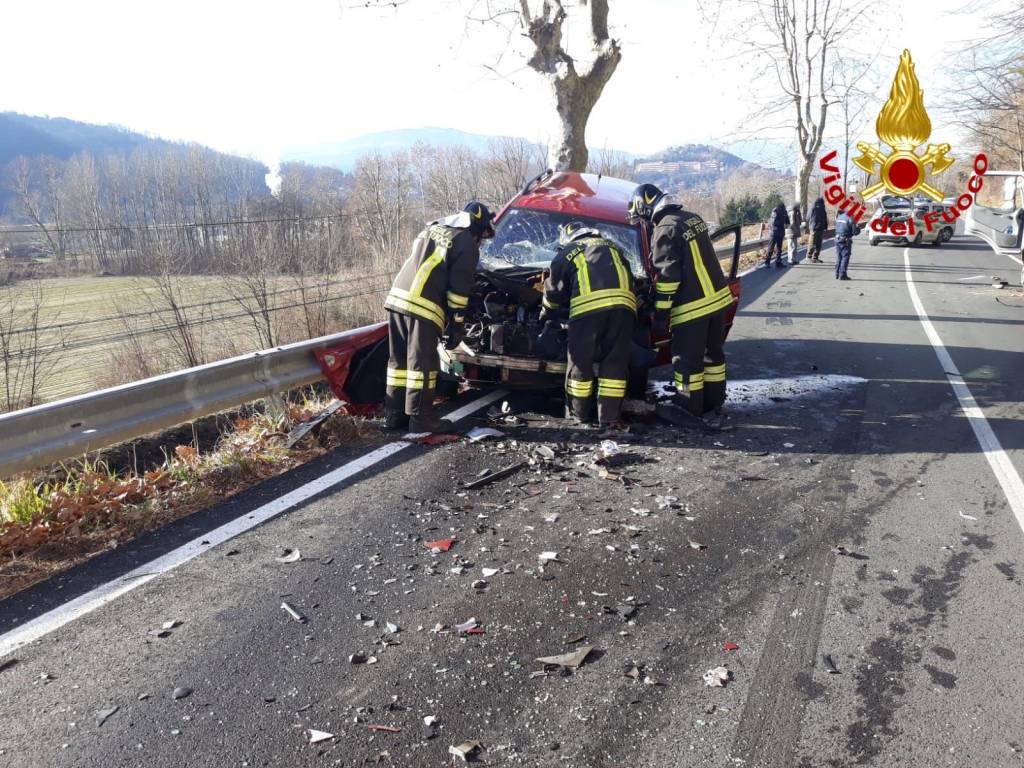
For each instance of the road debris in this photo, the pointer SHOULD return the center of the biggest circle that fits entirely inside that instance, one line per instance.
(607, 449)
(315, 737)
(299, 431)
(730, 646)
(967, 517)
(479, 585)
(172, 624)
(568, 660)
(717, 677)
(181, 692)
(830, 665)
(289, 556)
(544, 453)
(467, 750)
(438, 439)
(293, 613)
(491, 477)
(476, 434)
(696, 544)
(102, 715)
(383, 729)
(489, 572)
(430, 719)
(359, 658)
(469, 627)
(548, 557)
(440, 545)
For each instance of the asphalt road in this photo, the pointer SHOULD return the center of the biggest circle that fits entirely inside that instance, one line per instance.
(849, 435)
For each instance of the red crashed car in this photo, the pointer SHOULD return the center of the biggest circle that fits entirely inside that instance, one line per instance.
(505, 342)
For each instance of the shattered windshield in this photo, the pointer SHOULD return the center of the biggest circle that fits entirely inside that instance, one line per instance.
(526, 237)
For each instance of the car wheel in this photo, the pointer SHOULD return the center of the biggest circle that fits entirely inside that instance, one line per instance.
(872, 242)
(947, 235)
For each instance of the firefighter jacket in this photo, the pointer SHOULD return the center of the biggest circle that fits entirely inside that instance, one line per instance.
(690, 279)
(437, 278)
(589, 275)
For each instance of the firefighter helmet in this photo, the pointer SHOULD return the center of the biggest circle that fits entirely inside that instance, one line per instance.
(645, 199)
(574, 230)
(481, 220)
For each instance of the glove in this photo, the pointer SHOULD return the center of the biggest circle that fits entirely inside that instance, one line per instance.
(456, 332)
(661, 322)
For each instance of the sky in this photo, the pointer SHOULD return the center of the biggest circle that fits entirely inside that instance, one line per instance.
(263, 77)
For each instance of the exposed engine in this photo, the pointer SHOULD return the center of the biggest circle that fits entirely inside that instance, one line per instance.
(504, 316)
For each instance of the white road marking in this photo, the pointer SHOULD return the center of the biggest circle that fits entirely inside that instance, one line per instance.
(975, 277)
(106, 593)
(1001, 465)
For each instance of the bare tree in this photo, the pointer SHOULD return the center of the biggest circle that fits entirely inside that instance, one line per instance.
(30, 344)
(509, 164)
(611, 162)
(799, 42)
(37, 187)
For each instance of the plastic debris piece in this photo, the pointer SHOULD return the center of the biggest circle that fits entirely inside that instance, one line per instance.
(430, 719)
(499, 474)
(717, 677)
(383, 729)
(441, 545)
(467, 750)
(549, 557)
(544, 452)
(289, 556)
(181, 692)
(488, 572)
(967, 517)
(394, 629)
(696, 544)
(102, 715)
(568, 660)
(608, 448)
(360, 658)
(315, 737)
(788, 445)
(476, 434)
(553, 518)
(469, 627)
(830, 665)
(173, 624)
(293, 613)
(730, 646)
(479, 584)
(437, 439)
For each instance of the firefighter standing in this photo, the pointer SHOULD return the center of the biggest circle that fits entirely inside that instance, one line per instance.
(429, 297)
(692, 296)
(591, 284)
(817, 220)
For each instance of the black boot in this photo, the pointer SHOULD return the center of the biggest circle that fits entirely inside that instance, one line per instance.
(395, 420)
(428, 422)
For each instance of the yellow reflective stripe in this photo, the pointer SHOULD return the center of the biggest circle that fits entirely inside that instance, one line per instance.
(555, 367)
(667, 287)
(579, 388)
(457, 300)
(663, 304)
(403, 301)
(582, 273)
(702, 274)
(620, 270)
(695, 386)
(603, 299)
(611, 387)
(696, 309)
(427, 267)
(714, 376)
(397, 377)
(548, 304)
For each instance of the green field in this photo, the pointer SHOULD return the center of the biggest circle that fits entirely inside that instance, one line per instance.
(90, 338)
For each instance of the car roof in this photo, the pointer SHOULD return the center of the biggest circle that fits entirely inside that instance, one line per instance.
(586, 194)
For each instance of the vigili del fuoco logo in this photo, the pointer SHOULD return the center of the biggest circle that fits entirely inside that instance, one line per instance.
(903, 125)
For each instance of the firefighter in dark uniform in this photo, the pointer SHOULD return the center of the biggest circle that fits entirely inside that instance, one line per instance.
(591, 285)
(692, 296)
(429, 297)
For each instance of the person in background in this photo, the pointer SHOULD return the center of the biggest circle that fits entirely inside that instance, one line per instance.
(846, 230)
(796, 225)
(817, 222)
(777, 223)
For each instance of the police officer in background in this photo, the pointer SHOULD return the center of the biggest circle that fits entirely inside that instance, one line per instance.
(692, 296)
(429, 297)
(591, 285)
(846, 230)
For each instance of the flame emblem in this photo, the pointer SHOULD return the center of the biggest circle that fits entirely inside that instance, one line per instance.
(904, 125)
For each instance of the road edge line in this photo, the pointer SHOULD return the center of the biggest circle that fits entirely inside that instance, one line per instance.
(1002, 467)
(97, 597)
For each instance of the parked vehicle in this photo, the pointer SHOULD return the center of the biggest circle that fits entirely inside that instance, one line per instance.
(1003, 227)
(505, 342)
(903, 210)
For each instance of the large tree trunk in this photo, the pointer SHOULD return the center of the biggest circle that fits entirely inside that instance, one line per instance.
(575, 89)
(803, 181)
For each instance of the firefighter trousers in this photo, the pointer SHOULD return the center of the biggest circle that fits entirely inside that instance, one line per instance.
(599, 342)
(698, 360)
(413, 367)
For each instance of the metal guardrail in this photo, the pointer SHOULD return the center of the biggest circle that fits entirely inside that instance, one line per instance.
(43, 434)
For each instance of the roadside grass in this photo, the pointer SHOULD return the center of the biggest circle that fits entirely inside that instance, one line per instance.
(81, 509)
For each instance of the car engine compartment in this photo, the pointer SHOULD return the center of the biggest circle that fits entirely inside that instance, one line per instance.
(504, 316)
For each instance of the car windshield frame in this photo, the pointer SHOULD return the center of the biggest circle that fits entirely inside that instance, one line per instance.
(533, 239)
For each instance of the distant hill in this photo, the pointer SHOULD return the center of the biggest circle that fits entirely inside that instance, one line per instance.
(57, 136)
(690, 166)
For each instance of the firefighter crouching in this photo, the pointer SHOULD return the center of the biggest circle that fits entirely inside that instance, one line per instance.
(591, 285)
(429, 297)
(692, 296)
